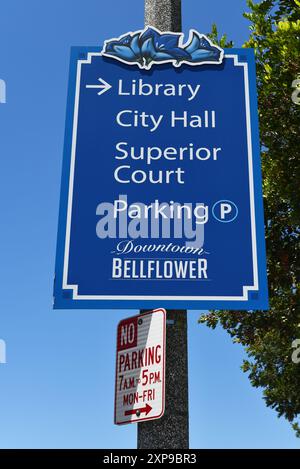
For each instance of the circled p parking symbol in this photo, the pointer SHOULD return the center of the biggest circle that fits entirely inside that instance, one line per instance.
(225, 211)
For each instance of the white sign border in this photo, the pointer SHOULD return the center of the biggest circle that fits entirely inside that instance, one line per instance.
(74, 287)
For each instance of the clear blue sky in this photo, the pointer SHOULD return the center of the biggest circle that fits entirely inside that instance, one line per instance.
(57, 388)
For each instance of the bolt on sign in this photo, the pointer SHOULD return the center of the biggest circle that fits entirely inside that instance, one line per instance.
(140, 368)
(161, 201)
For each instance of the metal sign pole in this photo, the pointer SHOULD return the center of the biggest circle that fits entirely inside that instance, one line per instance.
(163, 14)
(172, 430)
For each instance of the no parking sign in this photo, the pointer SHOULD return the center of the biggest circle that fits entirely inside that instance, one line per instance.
(140, 368)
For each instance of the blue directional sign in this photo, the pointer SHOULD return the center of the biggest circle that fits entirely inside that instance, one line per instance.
(161, 199)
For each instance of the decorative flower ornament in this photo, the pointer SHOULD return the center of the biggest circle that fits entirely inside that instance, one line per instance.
(151, 46)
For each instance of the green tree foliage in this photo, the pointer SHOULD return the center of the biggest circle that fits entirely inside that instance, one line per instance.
(268, 335)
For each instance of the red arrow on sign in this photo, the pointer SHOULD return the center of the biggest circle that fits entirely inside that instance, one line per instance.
(145, 409)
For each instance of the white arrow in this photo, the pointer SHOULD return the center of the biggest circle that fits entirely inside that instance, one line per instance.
(104, 86)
